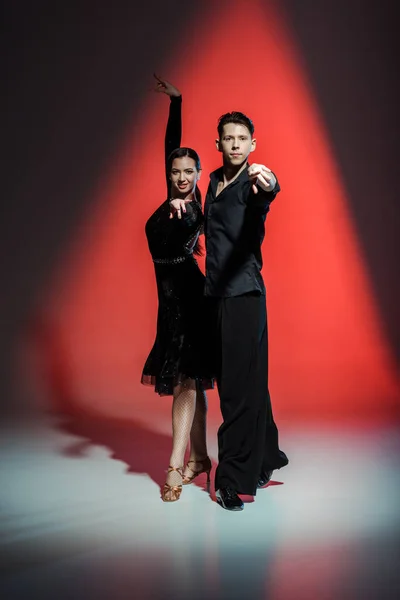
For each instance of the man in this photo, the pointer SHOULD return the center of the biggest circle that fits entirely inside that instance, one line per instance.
(237, 201)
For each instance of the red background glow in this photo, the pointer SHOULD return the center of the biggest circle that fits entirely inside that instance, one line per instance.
(328, 355)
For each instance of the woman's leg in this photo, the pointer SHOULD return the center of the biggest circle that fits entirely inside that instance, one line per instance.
(198, 440)
(183, 411)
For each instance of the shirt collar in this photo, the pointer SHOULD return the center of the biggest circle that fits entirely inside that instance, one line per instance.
(217, 176)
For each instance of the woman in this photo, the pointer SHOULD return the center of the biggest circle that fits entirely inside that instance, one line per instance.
(177, 362)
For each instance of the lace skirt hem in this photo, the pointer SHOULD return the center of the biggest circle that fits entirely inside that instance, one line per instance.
(164, 386)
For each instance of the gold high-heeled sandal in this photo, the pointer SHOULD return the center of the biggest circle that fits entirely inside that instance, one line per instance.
(205, 468)
(173, 490)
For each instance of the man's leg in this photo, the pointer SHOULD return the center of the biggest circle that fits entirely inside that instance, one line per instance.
(272, 457)
(241, 437)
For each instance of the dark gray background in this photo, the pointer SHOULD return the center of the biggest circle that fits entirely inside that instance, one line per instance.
(73, 77)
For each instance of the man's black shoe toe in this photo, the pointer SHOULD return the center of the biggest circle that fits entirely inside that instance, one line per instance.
(264, 478)
(228, 499)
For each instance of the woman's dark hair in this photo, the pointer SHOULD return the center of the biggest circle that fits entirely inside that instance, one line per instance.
(181, 153)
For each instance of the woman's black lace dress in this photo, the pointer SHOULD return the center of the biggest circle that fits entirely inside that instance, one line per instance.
(180, 347)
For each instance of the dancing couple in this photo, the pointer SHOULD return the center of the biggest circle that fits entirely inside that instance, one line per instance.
(213, 327)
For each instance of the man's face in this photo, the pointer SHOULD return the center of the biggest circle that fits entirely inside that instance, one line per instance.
(235, 144)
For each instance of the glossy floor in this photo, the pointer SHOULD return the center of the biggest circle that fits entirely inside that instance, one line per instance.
(81, 518)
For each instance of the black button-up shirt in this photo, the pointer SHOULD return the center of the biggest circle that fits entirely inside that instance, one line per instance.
(234, 231)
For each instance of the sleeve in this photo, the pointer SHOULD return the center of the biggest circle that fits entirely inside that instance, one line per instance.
(194, 221)
(173, 133)
(193, 217)
(263, 199)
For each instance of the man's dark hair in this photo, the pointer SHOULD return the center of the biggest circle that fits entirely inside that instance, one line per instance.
(234, 117)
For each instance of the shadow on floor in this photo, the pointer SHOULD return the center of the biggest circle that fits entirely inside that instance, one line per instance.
(129, 441)
(142, 450)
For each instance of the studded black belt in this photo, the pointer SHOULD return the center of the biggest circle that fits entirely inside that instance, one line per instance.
(171, 261)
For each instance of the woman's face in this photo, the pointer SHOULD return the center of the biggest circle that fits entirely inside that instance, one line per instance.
(183, 176)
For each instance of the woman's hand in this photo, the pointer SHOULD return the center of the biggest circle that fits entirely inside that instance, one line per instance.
(177, 206)
(167, 88)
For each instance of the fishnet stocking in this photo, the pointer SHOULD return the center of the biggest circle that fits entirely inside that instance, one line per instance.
(198, 441)
(183, 411)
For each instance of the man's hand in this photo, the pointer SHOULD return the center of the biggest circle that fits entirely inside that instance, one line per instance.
(164, 86)
(177, 207)
(261, 175)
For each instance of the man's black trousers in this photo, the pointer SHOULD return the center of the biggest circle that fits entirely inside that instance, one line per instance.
(248, 436)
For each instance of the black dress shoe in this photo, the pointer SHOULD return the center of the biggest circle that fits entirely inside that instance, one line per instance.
(228, 499)
(264, 478)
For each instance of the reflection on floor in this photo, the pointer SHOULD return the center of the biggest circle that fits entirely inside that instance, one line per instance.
(81, 517)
